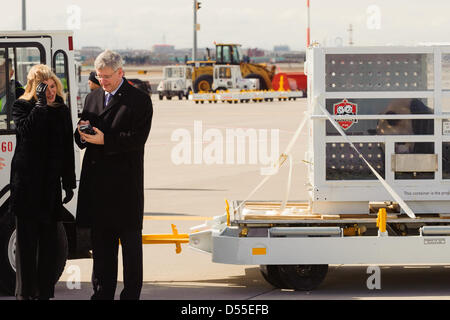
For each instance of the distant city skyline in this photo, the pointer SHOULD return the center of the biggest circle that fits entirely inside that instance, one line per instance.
(140, 24)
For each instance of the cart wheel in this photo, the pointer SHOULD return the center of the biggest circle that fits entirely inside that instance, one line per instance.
(271, 274)
(303, 277)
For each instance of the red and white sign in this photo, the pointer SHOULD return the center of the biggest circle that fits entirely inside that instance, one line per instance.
(345, 108)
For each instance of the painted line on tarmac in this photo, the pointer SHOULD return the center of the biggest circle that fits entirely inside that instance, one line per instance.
(169, 218)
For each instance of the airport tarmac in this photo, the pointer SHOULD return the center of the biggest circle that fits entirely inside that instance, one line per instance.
(187, 194)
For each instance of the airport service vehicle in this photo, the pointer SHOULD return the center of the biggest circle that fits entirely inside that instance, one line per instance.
(229, 86)
(378, 159)
(229, 77)
(25, 49)
(177, 82)
(231, 54)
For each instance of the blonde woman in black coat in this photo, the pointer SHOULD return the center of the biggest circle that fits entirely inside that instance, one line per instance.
(43, 162)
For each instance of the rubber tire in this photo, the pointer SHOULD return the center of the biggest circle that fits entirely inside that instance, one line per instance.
(262, 83)
(160, 96)
(203, 77)
(271, 274)
(303, 277)
(7, 273)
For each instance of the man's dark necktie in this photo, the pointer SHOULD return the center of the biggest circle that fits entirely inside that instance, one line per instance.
(107, 98)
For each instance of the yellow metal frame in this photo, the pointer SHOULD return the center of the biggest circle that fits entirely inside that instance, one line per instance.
(174, 238)
(381, 219)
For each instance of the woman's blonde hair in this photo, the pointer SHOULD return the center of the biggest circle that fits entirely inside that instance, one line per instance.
(37, 74)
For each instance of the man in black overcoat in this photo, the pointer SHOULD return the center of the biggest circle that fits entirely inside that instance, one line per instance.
(111, 193)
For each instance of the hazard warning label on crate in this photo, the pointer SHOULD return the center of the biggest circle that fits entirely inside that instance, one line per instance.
(345, 108)
(446, 127)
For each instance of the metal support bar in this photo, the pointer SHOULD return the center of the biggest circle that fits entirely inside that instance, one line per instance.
(435, 230)
(175, 237)
(305, 231)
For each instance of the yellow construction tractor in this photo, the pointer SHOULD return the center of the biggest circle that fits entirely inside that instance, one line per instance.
(230, 54)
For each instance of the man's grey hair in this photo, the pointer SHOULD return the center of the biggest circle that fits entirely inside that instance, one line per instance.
(110, 59)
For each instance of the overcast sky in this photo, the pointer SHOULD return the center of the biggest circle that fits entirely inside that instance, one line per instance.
(139, 24)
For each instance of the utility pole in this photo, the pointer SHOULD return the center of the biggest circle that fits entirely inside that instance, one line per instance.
(24, 15)
(308, 28)
(194, 47)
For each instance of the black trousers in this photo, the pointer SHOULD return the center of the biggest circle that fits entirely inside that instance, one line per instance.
(36, 245)
(105, 246)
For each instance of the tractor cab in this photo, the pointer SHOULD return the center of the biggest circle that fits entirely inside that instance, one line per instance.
(229, 54)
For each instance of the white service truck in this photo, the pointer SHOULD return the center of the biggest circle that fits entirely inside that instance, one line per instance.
(177, 82)
(229, 77)
(21, 50)
(378, 160)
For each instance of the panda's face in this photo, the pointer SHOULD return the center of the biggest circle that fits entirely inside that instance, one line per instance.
(340, 110)
(397, 127)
